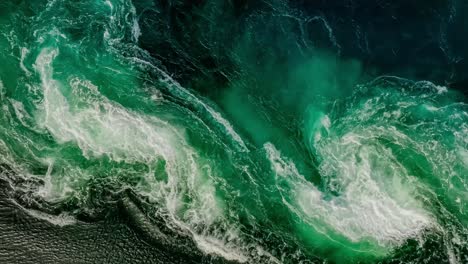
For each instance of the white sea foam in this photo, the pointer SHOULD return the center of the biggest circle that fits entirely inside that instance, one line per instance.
(24, 53)
(373, 203)
(109, 3)
(2, 90)
(20, 112)
(187, 96)
(101, 127)
(213, 245)
(441, 89)
(136, 31)
(61, 220)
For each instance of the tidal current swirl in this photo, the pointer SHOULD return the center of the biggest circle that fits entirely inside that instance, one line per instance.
(290, 158)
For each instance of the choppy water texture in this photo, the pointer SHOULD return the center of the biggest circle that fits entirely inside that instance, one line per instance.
(225, 132)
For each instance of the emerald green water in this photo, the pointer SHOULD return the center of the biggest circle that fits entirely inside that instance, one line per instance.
(298, 158)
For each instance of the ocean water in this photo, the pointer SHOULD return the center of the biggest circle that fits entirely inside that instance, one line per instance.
(232, 132)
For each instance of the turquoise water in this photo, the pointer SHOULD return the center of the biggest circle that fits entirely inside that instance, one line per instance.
(296, 157)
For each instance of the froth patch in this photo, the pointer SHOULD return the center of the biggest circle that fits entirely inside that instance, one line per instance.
(101, 127)
(365, 209)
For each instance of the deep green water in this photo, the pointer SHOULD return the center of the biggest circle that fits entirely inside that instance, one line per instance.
(298, 156)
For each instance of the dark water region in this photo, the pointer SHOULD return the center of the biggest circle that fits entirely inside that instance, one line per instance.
(273, 131)
(412, 39)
